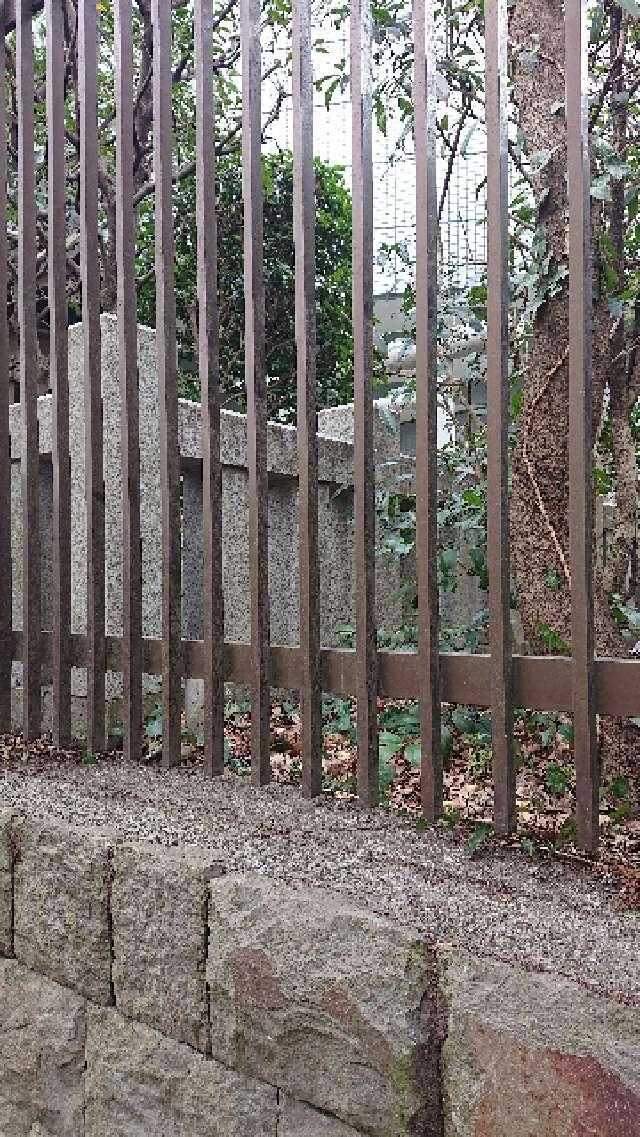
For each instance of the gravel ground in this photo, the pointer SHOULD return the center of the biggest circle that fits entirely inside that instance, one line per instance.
(545, 915)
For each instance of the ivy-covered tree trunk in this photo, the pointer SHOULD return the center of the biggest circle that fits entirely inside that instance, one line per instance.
(540, 485)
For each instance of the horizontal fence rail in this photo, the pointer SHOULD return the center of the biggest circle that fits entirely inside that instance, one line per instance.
(580, 683)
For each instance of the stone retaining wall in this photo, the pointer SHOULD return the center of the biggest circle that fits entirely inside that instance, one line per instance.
(145, 992)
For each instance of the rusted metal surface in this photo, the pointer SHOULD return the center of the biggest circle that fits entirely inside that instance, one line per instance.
(580, 433)
(93, 465)
(208, 355)
(424, 98)
(128, 378)
(5, 456)
(250, 12)
(496, 112)
(541, 683)
(304, 236)
(58, 374)
(31, 611)
(363, 456)
(167, 384)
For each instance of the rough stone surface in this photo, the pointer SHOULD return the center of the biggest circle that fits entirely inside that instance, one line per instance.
(139, 1084)
(6, 885)
(535, 913)
(42, 1038)
(297, 1119)
(323, 1000)
(159, 920)
(335, 518)
(61, 905)
(535, 1055)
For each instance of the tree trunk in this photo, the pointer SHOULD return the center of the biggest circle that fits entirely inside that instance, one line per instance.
(540, 489)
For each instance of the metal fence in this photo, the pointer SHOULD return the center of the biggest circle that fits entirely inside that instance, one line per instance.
(499, 680)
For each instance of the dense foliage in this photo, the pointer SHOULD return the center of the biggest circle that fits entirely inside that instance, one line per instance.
(333, 283)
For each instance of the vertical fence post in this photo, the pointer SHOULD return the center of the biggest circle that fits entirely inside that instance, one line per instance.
(305, 286)
(59, 377)
(167, 384)
(250, 11)
(29, 455)
(497, 416)
(364, 470)
(6, 619)
(209, 369)
(426, 407)
(580, 431)
(90, 275)
(129, 398)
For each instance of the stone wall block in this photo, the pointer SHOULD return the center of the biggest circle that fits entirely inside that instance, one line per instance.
(329, 1003)
(61, 905)
(42, 1041)
(6, 885)
(140, 1083)
(159, 915)
(535, 1055)
(297, 1119)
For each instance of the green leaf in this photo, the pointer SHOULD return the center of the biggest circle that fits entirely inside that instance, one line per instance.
(617, 169)
(462, 717)
(381, 116)
(389, 745)
(541, 158)
(597, 22)
(481, 834)
(619, 788)
(552, 579)
(389, 419)
(412, 753)
(557, 778)
(600, 188)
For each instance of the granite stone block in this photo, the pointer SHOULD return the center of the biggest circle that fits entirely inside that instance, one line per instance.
(159, 920)
(42, 1043)
(141, 1084)
(324, 1000)
(61, 905)
(6, 885)
(535, 1055)
(297, 1119)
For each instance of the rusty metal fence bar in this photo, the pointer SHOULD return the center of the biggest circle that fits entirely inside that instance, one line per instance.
(363, 456)
(128, 381)
(208, 354)
(424, 98)
(580, 430)
(58, 373)
(90, 276)
(6, 615)
(254, 336)
(167, 384)
(579, 684)
(31, 613)
(498, 416)
(305, 265)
